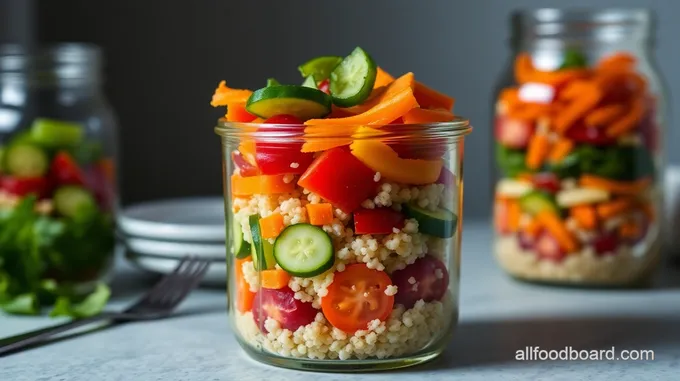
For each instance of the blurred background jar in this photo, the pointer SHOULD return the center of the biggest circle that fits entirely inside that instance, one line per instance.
(57, 178)
(579, 121)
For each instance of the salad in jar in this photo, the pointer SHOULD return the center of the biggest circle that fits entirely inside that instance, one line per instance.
(343, 201)
(56, 227)
(577, 201)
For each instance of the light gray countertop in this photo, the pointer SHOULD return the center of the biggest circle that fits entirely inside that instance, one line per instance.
(498, 317)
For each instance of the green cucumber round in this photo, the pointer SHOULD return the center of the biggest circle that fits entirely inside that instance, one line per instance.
(440, 223)
(319, 67)
(353, 79)
(302, 102)
(304, 250)
(536, 202)
(240, 246)
(70, 200)
(25, 160)
(261, 250)
(57, 133)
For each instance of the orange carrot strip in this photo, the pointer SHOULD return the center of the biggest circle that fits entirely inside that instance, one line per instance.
(629, 121)
(370, 102)
(397, 100)
(225, 96)
(539, 146)
(614, 208)
(556, 78)
(428, 97)
(627, 188)
(528, 111)
(584, 96)
(528, 177)
(621, 61)
(524, 68)
(264, 184)
(244, 297)
(420, 115)
(585, 216)
(630, 229)
(514, 215)
(532, 228)
(320, 214)
(604, 115)
(558, 230)
(236, 112)
(649, 210)
(271, 226)
(274, 279)
(382, 78)
(560, 150)
(257, 120)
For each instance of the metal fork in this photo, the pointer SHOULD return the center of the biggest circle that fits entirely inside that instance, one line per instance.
(157, 303)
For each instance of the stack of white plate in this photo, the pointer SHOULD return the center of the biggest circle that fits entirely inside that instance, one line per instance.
(158, 234)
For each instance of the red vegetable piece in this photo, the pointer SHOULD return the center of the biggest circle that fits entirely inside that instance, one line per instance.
(341, 178)
(426, 279)
(283, 119)
(606, 243)
(513, 133)
(281, 306)
(525, 241)
(278, 158)
(446, 177)
(97, 179)
(325, 86)
(64, 170)
(546, 181)
(580, 133)
(377, 221)
(548, 248)
(245, 168)
(22, 186)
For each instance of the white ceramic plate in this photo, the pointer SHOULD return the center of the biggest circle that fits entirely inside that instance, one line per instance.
(176, 250)
(216, 275)
(190, 219)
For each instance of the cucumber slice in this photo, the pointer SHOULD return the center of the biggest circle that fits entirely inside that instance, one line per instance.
(319, 67)
(440, 223)
(299, 101)
(273, 82)
(353, 79)
(304, 250)
(70, 200)
(240, 246)
(57, 133)
(536, 202)
(87, 152)
(261, 250)
(25, 160)
(310, 82)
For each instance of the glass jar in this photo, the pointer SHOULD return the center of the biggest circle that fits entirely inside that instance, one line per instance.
(57, 180)
(358, 229)
(579, 120)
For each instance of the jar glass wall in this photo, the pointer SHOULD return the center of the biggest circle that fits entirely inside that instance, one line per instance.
(578, 132)
(363, 272)
(57, 178)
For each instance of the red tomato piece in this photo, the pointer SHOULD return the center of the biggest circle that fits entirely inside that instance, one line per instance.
(513, 133)
(325, 86)
(606, 243)
(281, 306)
(377, 221)
(283, 119)
(526, 242)
(356, 297)
(548, 248)
(280, 158)
(245, 168)
(426, 279)
(546, 181)
(22, 186)
(341, 178)
(580, 133)
(64, 170)
(97, 179)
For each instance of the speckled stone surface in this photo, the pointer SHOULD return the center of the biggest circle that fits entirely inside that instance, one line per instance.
(498, 317)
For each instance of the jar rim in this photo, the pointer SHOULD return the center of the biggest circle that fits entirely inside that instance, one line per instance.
(67, 60)
(456, 129)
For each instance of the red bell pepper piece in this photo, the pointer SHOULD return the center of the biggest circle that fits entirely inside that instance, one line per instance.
(280, 158)
(341, 178)
(245, 168)
(64, 170)
(377, 221)
(21, 186)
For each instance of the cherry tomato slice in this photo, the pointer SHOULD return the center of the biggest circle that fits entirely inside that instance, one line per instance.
(64, 170)
(280, 158)
(425, 279)
(580, 133)
(325, 86)
(356, 297)
(21, 186)
(245, 168)
(548, 248)
(281, 306)
(513, 133)
(546, 181)
(377, 221)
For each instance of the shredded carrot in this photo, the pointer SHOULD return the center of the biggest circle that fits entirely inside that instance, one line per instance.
(524, 68)
(428, 97)
(621, 61)
(560, 150)
(320, 214)
(557, 78)
(539, 147)
(244, 297)
(382, 78)
(514, 215)
(509, 98)
(629, 188)
(558, 230)
(528, 177)
(604, 115)
(583, 96)
(236, 112)
(274, 279)
(532, 228)
(225, 96)
(422, 116)
(271, 226)
(629, 121)
(630, 229)
(614, 208)
(649, 210)
(529, 111)
(585, 216)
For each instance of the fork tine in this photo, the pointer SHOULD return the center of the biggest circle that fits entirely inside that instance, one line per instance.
(161, 288)
(187, 283)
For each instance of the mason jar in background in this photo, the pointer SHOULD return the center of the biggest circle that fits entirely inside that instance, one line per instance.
(57, 179)
(579, 120)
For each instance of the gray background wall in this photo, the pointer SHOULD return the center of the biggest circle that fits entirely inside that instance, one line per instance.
(165, 58)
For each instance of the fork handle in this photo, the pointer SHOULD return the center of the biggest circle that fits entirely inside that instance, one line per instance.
(25, 340)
